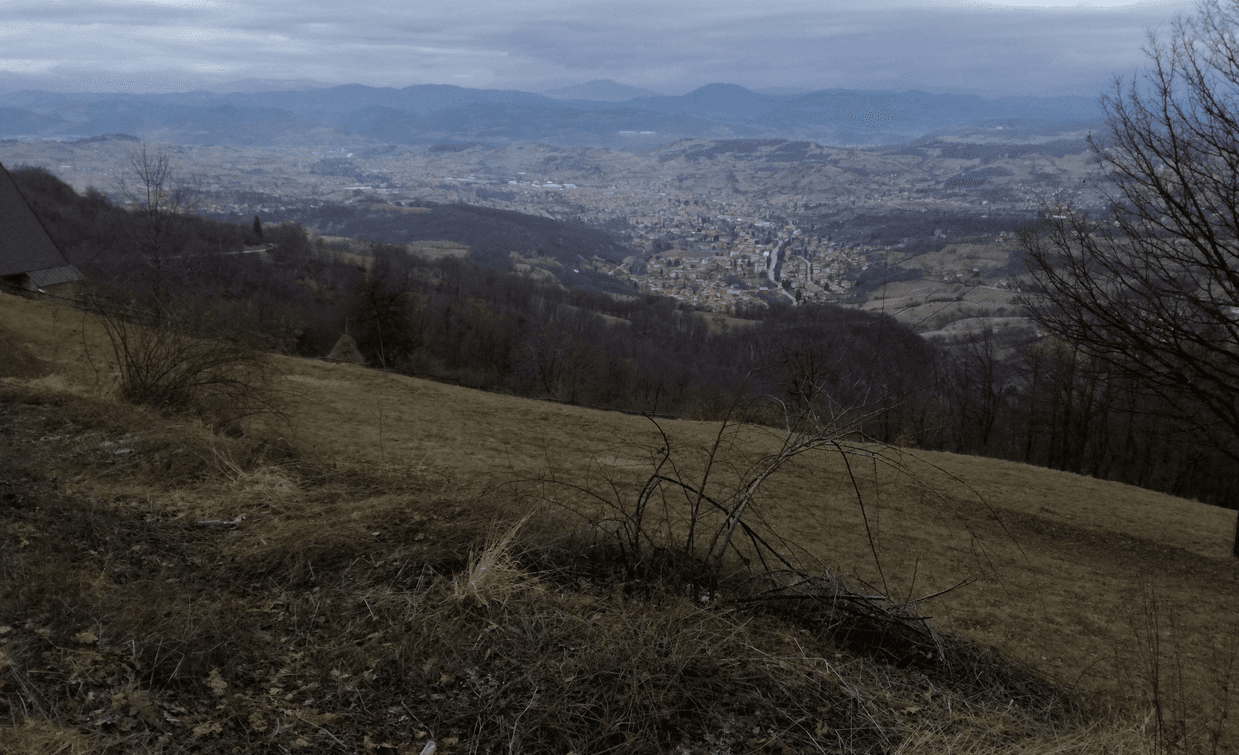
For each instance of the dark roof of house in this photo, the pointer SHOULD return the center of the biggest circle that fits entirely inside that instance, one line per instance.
(25, 246)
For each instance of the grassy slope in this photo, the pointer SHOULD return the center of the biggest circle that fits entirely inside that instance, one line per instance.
(1066, 551)
(1060, 559)
(1062, 564)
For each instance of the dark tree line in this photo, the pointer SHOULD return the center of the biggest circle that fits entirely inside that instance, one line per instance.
(491, 234)
(1047, 402)
(492, 329)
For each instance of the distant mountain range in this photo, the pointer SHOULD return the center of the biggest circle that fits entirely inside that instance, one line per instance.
(589, 114)
(604, 90)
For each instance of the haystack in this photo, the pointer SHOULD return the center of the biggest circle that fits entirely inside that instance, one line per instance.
(346, 350)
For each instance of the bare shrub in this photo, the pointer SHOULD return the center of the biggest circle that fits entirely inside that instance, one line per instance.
(179, 362)
(699, 507)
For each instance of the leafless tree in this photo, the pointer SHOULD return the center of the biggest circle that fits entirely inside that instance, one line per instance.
(159, 196)
(1151, 287)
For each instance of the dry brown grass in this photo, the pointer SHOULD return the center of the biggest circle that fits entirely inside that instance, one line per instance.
(1092, 740)
(295, 566)
(493, 573)
(339, 609)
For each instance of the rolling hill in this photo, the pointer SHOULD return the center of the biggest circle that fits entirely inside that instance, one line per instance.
(348, 577)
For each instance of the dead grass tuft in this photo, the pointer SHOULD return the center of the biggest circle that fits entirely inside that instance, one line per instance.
(492, 573)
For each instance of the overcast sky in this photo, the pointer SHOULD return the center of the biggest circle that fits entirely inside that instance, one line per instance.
(1016, 47)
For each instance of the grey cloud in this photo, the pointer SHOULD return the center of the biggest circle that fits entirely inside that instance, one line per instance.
(82, 15)
(989, 50)
(671, 47)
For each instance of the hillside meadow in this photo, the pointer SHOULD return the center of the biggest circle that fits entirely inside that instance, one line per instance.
(331, 530)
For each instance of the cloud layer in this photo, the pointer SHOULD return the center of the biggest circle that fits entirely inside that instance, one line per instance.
(170, 45)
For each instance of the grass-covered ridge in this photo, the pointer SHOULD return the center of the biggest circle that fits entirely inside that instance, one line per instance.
(317, 586)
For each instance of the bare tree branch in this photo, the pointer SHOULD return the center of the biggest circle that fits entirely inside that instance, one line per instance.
(1151, 287)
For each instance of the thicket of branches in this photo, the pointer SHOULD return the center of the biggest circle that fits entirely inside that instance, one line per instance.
(1046, 402)
(1149, 291)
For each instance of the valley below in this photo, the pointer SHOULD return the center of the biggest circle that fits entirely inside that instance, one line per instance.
(719, 225)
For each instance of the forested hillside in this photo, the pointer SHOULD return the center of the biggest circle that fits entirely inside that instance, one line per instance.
(1015, 397)
(492, 235)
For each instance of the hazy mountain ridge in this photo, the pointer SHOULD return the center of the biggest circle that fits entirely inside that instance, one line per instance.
(599, 89)
(424, 114)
